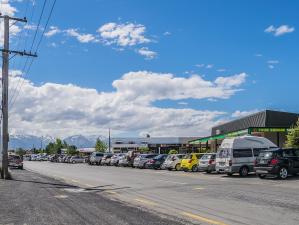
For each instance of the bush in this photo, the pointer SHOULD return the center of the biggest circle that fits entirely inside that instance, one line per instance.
(293, 137)
(172, 152)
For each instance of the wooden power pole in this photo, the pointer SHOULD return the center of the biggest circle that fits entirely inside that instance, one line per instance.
(5, 78)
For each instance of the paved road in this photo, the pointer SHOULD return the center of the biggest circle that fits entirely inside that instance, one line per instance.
(33, 199)
(197, 197)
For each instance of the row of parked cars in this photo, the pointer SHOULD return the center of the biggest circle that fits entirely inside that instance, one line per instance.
(242, 155)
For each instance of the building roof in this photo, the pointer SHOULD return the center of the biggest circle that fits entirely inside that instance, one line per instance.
(266, 118)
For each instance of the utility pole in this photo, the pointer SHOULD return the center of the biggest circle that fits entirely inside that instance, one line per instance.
(5, 68)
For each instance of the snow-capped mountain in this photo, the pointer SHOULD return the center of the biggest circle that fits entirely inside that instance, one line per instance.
(31, 141)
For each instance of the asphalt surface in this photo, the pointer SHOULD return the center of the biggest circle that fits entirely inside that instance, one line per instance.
(196, 197)
(33, 199)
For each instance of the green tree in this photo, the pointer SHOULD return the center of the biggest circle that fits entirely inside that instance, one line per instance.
(100, 146)
(20, 151)
(293, 137)
(144, 149)
(172, 152)
(72, 150)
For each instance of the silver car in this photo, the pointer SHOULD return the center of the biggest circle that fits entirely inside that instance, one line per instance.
(173, 162)
(142, 159)
(95, 158)
(207, 163)
(77, 159)
(115, 159)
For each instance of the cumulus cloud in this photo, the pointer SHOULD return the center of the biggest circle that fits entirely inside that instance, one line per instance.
(127, 34)
(148, 54)
(62, 110)
(8, 9)
(83, 38)
(281, 30)
(53, 30)
(239, 114)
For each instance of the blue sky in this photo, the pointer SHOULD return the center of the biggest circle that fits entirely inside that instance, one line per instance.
(209, 39)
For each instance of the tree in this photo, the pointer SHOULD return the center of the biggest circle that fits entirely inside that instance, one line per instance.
(72, 150)
(293, 137)
(100, 146)
(20, 152)
(172, 152)
(144, 149)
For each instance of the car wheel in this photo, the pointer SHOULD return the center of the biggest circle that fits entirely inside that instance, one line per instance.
(178, 167)
(209, 171)
(73, 162)
(20, 167)
(243, 171)
(261, 176)
(229, 174)
(283, 173)
(194, 168)
(169, 169)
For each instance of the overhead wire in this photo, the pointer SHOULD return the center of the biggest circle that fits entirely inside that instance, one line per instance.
(37, 47)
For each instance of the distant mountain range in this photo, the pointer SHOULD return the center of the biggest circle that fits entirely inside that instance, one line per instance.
(31, 141)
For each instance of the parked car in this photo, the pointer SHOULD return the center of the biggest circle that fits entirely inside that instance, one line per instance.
(15, 161)
(142, 159)
(173, 162)
(123, 161)
(95, 158)
(190, 162)
(237, 155)
(156, 162)
(106, 159)
(76, 159)
(278, 162)
(115, 159)
(207, 163)
(67, 159)
(131, 155)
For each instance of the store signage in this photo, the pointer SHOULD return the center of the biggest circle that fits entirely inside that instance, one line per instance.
(267, 129)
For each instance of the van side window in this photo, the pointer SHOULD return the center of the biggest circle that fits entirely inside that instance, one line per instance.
(242, 153)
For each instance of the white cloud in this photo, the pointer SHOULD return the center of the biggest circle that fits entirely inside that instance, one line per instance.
(209, 66)
(7, 9)
(53, 30)
(148, 54)
(258, 55)
(62, 110)
(166, 33)
(83, 38)
(283, 29)
(238, 113)
(200, 65)
(271, 66)
(128, 34)
(272, 61)
(221, 70)
(182, 103)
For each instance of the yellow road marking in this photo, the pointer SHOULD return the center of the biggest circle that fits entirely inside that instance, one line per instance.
(202, 219)
(144, 201)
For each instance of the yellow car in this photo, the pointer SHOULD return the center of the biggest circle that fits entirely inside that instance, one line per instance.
(190, 162)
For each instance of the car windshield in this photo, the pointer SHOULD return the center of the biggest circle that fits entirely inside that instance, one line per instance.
(188, 156)
(159, 157)
(223, 153)
(206, 157)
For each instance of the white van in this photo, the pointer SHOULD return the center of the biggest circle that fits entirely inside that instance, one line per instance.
(237, 155)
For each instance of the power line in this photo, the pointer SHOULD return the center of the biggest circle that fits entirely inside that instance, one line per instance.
(39, 20)
(38, 45)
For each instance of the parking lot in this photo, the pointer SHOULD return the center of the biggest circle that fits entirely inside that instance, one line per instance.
(197, 197)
